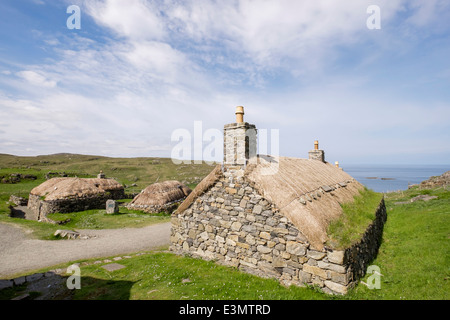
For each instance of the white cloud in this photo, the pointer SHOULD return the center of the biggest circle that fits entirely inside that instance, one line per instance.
(133, 19)
(170, 63)
(425, 12)
(267, 33)
(36, 79)
(255, 35)
(157, 59)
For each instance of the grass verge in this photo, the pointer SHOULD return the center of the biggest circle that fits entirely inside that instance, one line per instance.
(414, 260)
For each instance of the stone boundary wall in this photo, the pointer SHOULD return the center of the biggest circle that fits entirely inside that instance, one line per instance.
(234, 225)
(18, 201)
(358, 256)
(168, 207)
(41, 208)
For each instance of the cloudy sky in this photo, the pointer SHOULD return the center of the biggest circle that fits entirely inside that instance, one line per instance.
(139, 70)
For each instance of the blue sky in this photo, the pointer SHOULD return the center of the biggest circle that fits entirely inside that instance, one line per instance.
(138, 70)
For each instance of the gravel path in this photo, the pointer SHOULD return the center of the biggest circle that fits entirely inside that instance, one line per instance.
(19, 253)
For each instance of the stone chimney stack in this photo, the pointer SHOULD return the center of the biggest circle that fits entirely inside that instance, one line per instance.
(317, 154)
(101, 175)
(239, 141)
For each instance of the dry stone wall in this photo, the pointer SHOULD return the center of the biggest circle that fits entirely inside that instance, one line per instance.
(168, 207)
(234, 225)
(40, 208)
(358, 256)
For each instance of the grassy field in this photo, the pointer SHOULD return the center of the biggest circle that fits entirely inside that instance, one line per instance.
(413, 258)
(136, 173)
(128, 171)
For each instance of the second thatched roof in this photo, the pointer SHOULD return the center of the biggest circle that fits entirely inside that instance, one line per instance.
(161, 194)
(63, 188)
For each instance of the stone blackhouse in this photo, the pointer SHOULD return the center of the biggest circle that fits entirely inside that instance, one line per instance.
(67, 195)
(161, 196)
(268, 216)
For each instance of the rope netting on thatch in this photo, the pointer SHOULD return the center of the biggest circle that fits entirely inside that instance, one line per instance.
(290, 181)
(61, 188)
(159, 194)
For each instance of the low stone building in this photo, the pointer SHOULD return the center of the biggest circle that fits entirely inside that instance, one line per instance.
(269, 216)
(159, 197)
(67, 195)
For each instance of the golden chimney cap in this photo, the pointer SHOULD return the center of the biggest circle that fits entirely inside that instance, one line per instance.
(240, 114)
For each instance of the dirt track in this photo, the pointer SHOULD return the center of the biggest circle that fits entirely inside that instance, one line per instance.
(19, 253)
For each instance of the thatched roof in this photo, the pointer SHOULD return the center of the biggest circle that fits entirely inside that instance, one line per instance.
(61, 188)
(307, 192)
(160, 194)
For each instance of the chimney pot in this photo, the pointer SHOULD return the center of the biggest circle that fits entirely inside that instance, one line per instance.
(239, 114)
(317, 154)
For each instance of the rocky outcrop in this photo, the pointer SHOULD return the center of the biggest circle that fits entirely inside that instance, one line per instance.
(437, 181)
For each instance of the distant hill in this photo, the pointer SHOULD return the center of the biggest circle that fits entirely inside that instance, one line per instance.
(135, 172)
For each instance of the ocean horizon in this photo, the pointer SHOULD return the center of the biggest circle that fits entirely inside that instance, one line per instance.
(387, 178)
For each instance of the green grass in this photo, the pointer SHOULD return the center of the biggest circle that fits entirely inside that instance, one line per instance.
(99, 219)
(165, 276)
(127, 171)
(357, 216)
(413, 259)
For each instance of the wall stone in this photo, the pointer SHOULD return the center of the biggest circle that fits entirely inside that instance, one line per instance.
(234, 225)
(167, 207)
(317, 155)
(40, 208)
(18, 201)
(358, 256)
(240, 143)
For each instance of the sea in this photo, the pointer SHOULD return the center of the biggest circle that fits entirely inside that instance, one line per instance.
(387, 178)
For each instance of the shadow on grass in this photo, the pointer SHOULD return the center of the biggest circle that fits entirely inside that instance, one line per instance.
(98, 289)
(56, 288)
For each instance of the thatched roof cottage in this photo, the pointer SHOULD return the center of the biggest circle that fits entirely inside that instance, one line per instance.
(269, 216)
(158, 197)
(67, 195)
